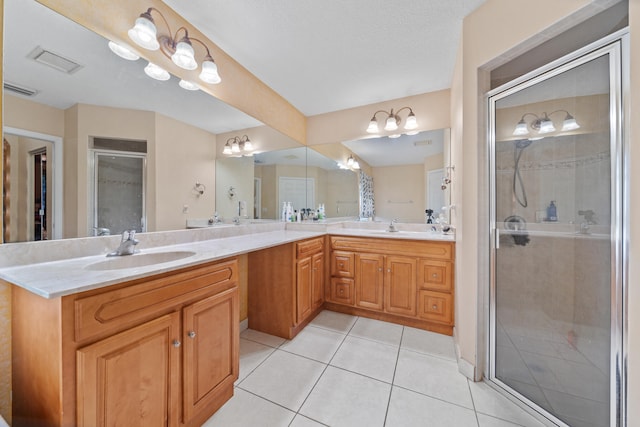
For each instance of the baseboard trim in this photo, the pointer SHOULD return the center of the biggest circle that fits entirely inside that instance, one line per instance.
(465, 368)
(244, 324)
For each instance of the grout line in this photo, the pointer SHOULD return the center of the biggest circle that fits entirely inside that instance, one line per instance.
(437, 398)
(473, 402)
(320, 376)
(393, 377)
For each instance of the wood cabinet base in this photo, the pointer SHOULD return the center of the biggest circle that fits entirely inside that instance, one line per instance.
(401, 320)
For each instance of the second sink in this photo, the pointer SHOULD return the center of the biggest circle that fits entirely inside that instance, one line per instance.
(139, 260)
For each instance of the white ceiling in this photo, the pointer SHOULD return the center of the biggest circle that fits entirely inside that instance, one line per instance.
(329, 55)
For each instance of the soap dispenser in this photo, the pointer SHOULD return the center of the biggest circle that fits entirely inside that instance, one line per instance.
(552, 212)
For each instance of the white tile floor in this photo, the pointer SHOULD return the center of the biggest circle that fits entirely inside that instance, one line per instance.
(344, 370)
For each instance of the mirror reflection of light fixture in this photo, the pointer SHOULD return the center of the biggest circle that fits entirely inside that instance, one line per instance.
(393, 120)
(543, 124)
(237, 145)
(352, 163)
(177, 46)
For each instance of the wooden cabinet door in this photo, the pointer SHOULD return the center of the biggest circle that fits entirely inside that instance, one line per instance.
(369, 281)
(400, 285)
(131, 378)
(211, 352)
(317, 279)
(304, 292)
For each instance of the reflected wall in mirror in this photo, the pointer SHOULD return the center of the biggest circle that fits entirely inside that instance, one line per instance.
(301, 176)
(410, 173)
(105, 97)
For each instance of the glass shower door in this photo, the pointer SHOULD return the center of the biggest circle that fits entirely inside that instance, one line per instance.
(555, 211)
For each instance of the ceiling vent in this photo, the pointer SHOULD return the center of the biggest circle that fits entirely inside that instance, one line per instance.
(54, 60)
(20, 90)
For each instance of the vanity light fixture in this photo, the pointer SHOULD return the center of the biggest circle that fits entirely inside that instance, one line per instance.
(543, 124)
(237, 145)
(393, 120)
(178, 46)
(156, 72)
(185, 84)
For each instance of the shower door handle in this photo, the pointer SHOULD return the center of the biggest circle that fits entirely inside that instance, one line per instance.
(497, 237)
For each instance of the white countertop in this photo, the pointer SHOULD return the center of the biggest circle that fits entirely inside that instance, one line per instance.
(53, 269)
(65, 277)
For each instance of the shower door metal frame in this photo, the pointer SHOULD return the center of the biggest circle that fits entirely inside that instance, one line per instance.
(616, 46)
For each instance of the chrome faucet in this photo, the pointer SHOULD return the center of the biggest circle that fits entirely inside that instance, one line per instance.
(216, 219)
(236, 220)
(392, 226)
(127, 244)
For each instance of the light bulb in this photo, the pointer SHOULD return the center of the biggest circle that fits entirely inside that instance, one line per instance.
(356, 165)
(373, 126)
(209, 73)
(570, 123)
(411, 122)
(521, 128)
(391, 123)
(123, 52)
(248, 146)
(144, 32)
(156, 72)
(546, 126)
(227, 149)
(235, 147)
(184, 56)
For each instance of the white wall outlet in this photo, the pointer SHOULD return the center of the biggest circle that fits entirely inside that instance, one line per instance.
(185, 209)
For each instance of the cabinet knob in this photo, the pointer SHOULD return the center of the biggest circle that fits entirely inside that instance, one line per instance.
(341, 291)
(191, 334)
(379, 268)
(434, 275)
(176, 343)
(389, 271)
(341, 265)
(434, 307)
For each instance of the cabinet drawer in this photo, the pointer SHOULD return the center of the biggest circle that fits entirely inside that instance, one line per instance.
(342, 264)
(435, 306)
(115, 310)
(423, 249)
(435, 275)
(309, 247)
(342, 290)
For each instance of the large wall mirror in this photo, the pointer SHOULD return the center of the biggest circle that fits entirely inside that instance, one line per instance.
(87, 145)
(256, 187)
(410, 174)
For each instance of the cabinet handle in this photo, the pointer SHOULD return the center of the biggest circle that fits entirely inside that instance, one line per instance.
(379, 268)
(434, 307)
(341, 265)
(389, 271)
(176, 343)
(434, 275)
(191, 334)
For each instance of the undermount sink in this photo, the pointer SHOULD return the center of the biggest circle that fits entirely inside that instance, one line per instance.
(139, 260)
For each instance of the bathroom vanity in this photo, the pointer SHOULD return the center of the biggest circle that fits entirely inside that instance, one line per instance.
(94, 357)
(153, 338)
(398, 280)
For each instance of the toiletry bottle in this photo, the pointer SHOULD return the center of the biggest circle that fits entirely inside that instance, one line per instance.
(283, 215)
(552, 212)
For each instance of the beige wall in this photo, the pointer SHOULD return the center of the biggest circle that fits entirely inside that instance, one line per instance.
(399, 192)
(236, 172)
(184, 155)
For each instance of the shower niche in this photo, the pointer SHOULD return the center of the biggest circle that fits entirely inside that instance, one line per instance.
(556, 173)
